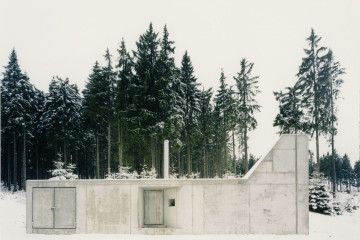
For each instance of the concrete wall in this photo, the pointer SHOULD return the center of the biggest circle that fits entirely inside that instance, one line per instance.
(272, 198)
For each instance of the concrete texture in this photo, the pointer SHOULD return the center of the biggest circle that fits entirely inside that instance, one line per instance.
(272, 198)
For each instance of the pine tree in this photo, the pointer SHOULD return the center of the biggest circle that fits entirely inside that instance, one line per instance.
(190, 96)
(357, 173)
(95, 109)
(247, 90)
(222, 102)
(16, 98)
(312, 87)
(146, 101)
(109, 79)
(290, 118)
(123, 95)
(205, 121)
(62, 114)
(333, 71)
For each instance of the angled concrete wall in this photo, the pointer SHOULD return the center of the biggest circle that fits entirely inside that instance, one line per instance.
(272, 198)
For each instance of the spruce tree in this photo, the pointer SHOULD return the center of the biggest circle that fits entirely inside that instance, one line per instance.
(205, 122)
(222, 102)
(247, 90)
(16, 98)
(290, 118)
(123, 95)
(312, 83)
(95, 109)
(62, 115)
(190, 96)
(333, 72)
(145, 106)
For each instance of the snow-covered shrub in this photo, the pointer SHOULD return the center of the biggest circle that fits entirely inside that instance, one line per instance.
(230, 175)
(193, 175)
(124, 173)
(172, 172)
(61, 173)
(320, 198)
(148, 174)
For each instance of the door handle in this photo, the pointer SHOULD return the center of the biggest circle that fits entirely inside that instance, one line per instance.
(52, 209)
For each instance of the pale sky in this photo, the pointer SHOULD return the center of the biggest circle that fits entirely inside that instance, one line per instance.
(66, 37)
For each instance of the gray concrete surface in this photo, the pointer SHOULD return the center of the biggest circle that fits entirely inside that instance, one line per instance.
(272, 198)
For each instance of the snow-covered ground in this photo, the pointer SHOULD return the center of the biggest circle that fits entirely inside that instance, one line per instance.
(12, 226)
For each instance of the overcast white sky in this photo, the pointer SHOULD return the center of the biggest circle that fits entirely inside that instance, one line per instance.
(65, 38)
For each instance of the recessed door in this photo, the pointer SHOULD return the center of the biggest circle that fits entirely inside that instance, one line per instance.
(43, 203)
(54, 208)
(153, 207)
(64, 208)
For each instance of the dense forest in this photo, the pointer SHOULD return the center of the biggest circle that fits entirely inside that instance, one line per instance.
(140, 98)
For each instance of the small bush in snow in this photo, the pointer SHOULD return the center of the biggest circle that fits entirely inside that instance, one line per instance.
(61, 173)
(320, 198)
(148, 174)
(124, 173)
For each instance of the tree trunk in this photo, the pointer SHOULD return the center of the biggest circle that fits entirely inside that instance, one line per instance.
(120, 139)
(246, 151)
(15, 163)
(317, 149)
(65, 157)
(9, 167)
(109, 146)
(234, 154)
(37, 159)
(153, 161)
(218, 159)
(97, 158)
(188, 157)
(24, 161)
(204, 158)
(179, 162)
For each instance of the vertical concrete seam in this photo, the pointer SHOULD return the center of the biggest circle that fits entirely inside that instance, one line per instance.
(130, 209)
(249, 210)
(296, 183)
(192, 208)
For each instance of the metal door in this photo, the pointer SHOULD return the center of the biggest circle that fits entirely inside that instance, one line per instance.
(43, 203)
(153, 207)
(64, 208)
(54, 207)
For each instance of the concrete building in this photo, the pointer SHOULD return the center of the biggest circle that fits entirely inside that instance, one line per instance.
(272, 198)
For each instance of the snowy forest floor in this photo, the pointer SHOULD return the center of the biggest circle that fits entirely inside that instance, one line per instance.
(343, 227)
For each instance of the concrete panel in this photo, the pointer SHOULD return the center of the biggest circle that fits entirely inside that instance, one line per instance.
(284, 160)
(272, 209)
(286, 142)
(226, 209)
(185, 208)
(43, 207)
(108, 209)
(170, 211)
(198, 209)
(302, 159)
(272, 178)
(64, 208)
(81, 209)
(303, 209)
(265, 166)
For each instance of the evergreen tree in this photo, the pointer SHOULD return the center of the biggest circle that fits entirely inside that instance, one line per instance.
(290, 118)
(146, 101)
(357, 173)
(95, 109)
(333, 71)
(16, 98)
(223, 104)
(62, 115)
(123, 95)
(312, 87)
(190, 96)
(346, 171)
(205, 121)
(247, 90)
(109, 80)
